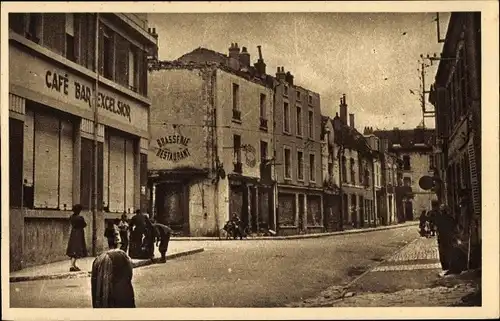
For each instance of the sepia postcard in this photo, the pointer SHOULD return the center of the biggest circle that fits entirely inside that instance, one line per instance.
(250, 160)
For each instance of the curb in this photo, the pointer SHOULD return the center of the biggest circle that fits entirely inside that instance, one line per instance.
(295, 237)
(73, 275)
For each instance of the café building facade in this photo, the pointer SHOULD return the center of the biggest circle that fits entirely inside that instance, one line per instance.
(52, 86)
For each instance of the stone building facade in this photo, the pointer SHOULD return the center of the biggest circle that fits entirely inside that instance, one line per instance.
(52, 94)
(358, 164)
(216, 111)
(414, 148)
(456, 95)
(297, 121)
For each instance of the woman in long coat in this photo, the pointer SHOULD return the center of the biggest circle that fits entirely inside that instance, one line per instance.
(76, 244)
(111, 280)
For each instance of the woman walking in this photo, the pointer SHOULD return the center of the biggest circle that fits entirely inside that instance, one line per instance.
(111, 280)
(76, 244)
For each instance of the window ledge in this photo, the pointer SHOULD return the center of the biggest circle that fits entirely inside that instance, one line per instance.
(60, 59)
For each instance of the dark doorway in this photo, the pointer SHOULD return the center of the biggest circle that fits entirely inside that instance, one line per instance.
(171, 207)
(362, 205)
(253, 210)
(409, 210)
(302, 227)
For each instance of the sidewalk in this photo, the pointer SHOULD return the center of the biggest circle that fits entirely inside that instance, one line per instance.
(60, 270)
(301, 236)
(409, 278)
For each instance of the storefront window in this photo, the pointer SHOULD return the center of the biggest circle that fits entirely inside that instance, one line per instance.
(119, 174)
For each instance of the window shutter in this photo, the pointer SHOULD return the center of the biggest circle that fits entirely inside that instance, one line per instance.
(142, 67)
(474, 178)
(17, 22)
(121, 64)
(54, 31)
(77, 36)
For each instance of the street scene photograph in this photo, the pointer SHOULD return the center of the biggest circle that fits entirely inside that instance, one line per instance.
(272, 159)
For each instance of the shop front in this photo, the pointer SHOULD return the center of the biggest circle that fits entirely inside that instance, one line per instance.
(52, 150)
(299, 211)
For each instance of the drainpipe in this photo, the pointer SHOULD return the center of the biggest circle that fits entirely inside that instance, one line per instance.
(215, 153)
(96, 144)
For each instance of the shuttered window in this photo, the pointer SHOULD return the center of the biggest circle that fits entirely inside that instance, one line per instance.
(116, 174)
(129, 176)
(54, 31)
(66, 165)
(119, 176)
(48, 161)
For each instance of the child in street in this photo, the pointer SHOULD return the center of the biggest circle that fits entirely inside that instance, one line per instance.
(112, 234)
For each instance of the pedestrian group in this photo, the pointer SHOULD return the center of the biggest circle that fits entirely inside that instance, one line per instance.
(111, 275)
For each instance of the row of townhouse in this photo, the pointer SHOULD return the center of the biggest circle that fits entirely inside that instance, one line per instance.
(227, 138)
(249, 144)
(456, 95)
(60, 66)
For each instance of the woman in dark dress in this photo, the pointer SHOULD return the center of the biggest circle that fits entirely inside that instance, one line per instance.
(111, 280)
(76, 244)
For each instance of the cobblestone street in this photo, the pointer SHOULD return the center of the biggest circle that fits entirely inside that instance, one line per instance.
(409, 278)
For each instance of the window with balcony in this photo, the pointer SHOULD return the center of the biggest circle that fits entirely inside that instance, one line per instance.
(236, 102)
(132, 69)
(263, 151)
(237, 153)
(288, 163)
(70, 37)
(298, 95)
(300, 166)
(360, 171)
(353, 171)
(312, 168)
(107, 54)
(330, 170)
(406, 163)
(311, 124)
(285, 90)
(407, 181)
(286, 118)
(344, 169)
(34, 27)
(263, 117)
(310, 100)
(299, 121)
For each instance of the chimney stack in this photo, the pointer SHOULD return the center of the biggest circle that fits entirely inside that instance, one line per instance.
(280, 73)
(289, 78)
(244, 57)
(351, 120)
(260, 65)
(343, 110)
(234, 52)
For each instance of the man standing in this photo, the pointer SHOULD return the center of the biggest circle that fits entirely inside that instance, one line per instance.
(446, 225)
(162, 233)
(137, 228)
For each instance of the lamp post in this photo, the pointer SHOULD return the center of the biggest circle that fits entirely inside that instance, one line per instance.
(337, 128)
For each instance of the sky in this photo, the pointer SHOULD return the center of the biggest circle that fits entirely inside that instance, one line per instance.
(373, 58)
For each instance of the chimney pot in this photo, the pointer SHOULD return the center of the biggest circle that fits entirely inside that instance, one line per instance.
(154, 30)
(343, 110)
(351, 120)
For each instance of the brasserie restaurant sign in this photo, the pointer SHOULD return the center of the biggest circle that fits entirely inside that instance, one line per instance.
(173, 147)
(62, 84)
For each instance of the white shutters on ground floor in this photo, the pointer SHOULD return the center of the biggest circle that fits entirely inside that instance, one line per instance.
(48, 160)
(119, 174)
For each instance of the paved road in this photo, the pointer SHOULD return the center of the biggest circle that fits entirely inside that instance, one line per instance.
(235, 273)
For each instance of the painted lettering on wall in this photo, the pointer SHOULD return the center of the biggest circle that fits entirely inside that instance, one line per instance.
(173, 147)
(60, 83)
